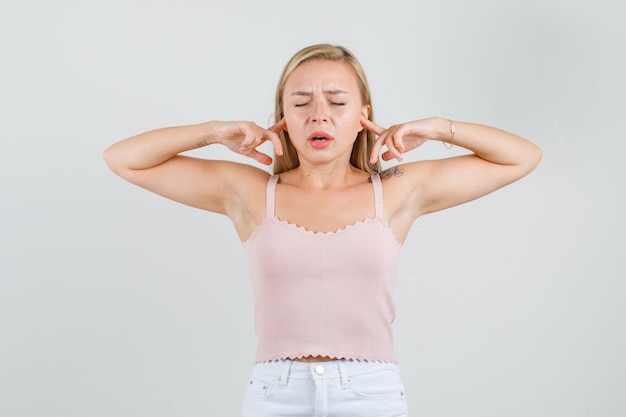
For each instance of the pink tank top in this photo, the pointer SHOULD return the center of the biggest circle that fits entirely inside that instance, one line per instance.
(326, 294)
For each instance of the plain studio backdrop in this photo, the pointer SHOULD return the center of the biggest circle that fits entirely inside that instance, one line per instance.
(115, 302)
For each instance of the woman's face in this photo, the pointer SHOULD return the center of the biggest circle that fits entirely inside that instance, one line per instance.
(323, 109)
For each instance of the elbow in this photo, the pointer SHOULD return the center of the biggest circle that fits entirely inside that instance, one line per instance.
(532, 158)
(111, 159)
(108, 157)
(536, 156)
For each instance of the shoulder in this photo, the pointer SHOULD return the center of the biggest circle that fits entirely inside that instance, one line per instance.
(244, 190)
(403, 187)
(404, 175)
(226, 187)
(245, 180)
(223, 178)
(389, 173)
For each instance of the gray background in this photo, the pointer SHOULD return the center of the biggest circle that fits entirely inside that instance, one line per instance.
(115, 302)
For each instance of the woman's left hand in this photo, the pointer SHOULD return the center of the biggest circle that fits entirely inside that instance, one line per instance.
(398, 138)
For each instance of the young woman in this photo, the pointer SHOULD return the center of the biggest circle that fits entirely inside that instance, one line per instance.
(324, 232)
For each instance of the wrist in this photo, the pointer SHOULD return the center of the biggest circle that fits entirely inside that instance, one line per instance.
(445, 131)
(207, 133)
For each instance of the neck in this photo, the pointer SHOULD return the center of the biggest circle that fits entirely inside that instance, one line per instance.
(323, 178)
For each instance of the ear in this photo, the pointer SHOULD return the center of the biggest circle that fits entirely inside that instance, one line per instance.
(365, 112)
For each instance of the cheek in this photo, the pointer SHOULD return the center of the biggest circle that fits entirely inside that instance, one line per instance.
(291, 116)
(353, 120)
(290, 122)
(294, 124)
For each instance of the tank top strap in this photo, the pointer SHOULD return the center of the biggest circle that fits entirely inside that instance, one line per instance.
(270, 196)
(378, 195)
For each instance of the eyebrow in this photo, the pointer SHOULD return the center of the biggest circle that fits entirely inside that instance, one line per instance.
(334, 91)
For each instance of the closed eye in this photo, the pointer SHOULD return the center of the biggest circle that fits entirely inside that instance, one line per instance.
(334, 103)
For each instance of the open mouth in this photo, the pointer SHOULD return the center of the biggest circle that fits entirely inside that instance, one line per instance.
(319, 138)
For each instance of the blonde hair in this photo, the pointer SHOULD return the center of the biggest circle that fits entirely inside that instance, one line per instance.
(365, 139)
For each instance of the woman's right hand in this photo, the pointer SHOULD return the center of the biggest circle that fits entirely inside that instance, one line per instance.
(245, 137)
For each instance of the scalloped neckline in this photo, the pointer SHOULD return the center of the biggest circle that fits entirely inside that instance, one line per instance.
(321, 233)
(314, 233)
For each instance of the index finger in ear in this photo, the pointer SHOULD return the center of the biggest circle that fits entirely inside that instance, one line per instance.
(272, 135)
(378, 144)
(371, 126)
(278, 126)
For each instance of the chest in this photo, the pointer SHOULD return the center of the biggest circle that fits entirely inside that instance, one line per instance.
(324, 211)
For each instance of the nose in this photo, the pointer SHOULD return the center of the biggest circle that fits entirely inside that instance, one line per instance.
(320, 112)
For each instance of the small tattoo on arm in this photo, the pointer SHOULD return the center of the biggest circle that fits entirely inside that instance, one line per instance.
(391, 172)
(202, 143)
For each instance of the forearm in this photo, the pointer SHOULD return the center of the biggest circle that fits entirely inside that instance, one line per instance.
(152, 148)
(489, 143)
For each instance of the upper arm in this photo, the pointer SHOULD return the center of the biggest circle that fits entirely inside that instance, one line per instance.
(439, 184)
(212, 185)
